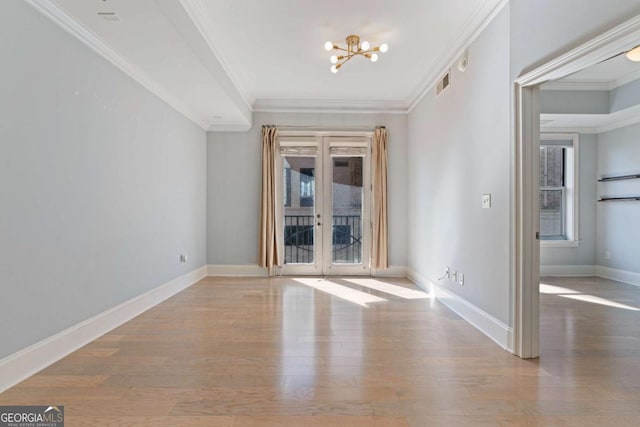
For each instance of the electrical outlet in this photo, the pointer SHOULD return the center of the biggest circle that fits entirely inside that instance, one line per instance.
(448, 273)
(607, 255)
(454, 276)
(183, 258)
(460, 278)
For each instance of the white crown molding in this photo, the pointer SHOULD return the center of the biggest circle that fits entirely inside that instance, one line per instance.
(577, 129)
(594, 85)
(569, 85)
(621, 38)
(625, 80)
(229, 128)
(470, 31)
(593, 130)
(328, 106)
(59, 16)
(21, 365)
(618, 124)
(200, 18)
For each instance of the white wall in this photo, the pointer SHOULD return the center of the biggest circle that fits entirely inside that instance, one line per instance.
(585, 254)
(102, 185)
(618, 225)
(459, 149)
(234, 176)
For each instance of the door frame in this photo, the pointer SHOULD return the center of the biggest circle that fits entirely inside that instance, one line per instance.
(322, 139)
(525, 262)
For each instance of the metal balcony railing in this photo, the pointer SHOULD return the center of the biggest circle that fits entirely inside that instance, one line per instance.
(299, 239)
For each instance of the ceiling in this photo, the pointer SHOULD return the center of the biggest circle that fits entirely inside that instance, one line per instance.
(217, 61)
(605, 76)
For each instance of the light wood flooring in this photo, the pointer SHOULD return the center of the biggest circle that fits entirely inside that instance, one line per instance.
(277, 352)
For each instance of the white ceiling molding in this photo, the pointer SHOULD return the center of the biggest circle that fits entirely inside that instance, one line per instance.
(619, 39)
(200, 18)
(619, 124)
(577, 86)
(229, 128)
(625, 80)
(64, 20)
(593, 130)
(581, 130)
(468, 34)
(329, 106)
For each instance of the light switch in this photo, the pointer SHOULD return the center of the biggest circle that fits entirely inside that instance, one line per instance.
(486, 201)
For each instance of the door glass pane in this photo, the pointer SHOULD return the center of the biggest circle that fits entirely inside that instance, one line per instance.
(299, 209)
(347, 194)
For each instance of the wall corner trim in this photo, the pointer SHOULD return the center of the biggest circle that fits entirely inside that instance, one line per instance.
(27, 362)
(493, 328)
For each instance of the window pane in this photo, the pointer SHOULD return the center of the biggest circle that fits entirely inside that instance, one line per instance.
(551, 166)
(551, 214)
(348, 192)
(299, 202)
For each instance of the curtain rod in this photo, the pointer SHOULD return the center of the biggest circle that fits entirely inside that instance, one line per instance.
(326, 128)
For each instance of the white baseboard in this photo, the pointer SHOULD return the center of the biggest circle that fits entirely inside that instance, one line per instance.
(568, 270)
(236, 271)
(257, 271)
(391, 271)
(499, 332)
(21, 365)
(623, 276)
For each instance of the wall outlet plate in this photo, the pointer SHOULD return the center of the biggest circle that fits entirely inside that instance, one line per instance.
(486, 201)
(460, 278)
(183, 258)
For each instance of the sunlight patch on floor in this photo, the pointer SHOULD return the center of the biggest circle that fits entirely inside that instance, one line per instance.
(579, 296)
(388, 288)
(340, 291)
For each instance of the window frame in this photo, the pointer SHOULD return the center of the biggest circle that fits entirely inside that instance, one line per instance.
(571, 202)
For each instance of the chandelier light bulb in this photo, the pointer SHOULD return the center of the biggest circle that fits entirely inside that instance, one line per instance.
(364, 45)
(384, 47)
(328, 46)
(334, 69)
(374, 57)
(334, 59)
(634, 54)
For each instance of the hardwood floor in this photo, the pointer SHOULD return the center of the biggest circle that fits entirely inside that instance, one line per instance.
(280, 352)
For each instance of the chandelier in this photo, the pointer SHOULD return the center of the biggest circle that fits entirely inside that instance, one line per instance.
(354, 48)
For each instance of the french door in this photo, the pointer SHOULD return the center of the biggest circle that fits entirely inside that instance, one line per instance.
(324, 192)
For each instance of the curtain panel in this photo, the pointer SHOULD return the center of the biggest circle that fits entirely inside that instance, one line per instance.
(268, 239)
(379, 239)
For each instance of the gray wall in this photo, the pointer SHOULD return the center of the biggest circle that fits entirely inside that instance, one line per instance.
(618, 226)
(102, 185)
(544, 29)
(459, 149)
(234, 175)
(585, 254)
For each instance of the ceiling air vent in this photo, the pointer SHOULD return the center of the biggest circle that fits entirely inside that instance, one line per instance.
(109, 16)
(443, 84)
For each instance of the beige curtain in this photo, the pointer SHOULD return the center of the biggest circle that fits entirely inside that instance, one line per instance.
(268, 241)
(379, 237)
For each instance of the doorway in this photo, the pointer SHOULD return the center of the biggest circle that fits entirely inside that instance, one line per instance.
(324, 203)
(526, 192)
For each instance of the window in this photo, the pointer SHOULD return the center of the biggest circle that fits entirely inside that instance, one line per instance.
(287, 185)
(558, 189)
(307, 187)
